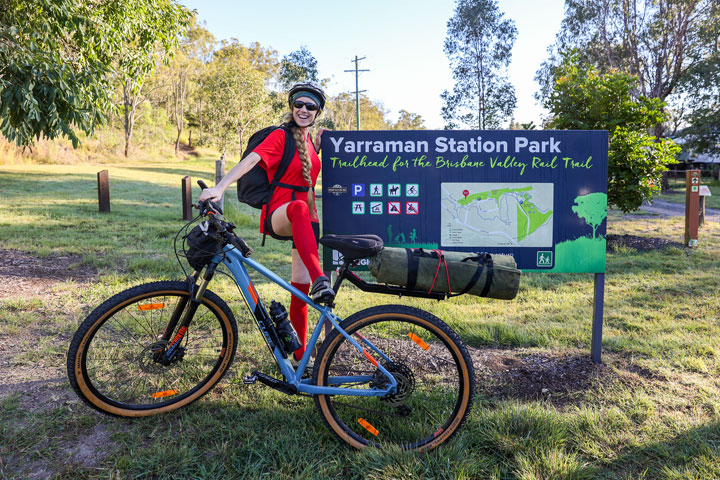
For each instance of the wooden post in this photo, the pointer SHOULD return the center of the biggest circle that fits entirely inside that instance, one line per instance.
(187, 198)
(219, 174)
(103, 190)
(692, 207)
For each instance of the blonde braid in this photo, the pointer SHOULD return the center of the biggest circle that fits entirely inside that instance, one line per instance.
(301, 145)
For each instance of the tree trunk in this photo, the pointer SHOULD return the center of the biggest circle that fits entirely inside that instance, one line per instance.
(130, 104)
(190, 139)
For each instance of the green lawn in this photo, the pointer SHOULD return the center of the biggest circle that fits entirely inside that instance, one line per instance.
(543, 411)
(677, 192)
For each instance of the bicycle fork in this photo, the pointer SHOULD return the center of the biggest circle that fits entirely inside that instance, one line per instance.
(183, 315)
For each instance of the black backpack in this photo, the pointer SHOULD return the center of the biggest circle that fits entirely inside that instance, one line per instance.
(254, 188)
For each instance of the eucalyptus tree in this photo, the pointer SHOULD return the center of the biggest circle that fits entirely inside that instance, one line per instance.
(59, 60)
(658, 41)
(237, 102)
(479, 45)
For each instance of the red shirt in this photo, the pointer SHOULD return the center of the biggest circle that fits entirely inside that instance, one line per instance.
(270, 151)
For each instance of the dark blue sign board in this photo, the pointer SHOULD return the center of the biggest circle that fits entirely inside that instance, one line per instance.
(540, 196)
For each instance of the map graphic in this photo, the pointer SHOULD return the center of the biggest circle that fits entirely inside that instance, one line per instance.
(496, 214)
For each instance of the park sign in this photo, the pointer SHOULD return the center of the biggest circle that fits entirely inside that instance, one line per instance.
(538, 195)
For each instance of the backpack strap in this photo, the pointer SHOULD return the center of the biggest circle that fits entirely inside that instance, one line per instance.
(287, 156)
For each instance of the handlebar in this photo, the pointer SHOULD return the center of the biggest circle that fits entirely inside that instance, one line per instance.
(210, 209)
(208, 206)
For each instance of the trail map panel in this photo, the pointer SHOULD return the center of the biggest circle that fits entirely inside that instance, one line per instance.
(496, 215)
(540, 196)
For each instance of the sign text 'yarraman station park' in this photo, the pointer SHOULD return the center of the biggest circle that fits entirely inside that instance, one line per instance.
(396, 151)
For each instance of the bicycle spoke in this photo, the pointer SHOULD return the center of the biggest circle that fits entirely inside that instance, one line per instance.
(430, 384)
(125, 359)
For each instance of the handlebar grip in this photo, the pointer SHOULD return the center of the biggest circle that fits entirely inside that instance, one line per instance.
(202, 184)
(245, 249)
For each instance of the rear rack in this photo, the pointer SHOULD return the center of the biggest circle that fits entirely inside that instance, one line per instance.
(345, 273)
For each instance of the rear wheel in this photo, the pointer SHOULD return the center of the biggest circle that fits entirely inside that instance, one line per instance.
(431, 365)
(116, 363)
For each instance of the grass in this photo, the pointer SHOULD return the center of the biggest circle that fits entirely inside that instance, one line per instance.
(653, 413)
(677, 192)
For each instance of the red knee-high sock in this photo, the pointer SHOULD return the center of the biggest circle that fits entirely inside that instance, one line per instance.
(299, 215)
(299, 317)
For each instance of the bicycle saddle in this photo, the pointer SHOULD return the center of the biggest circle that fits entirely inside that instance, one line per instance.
(353, 247)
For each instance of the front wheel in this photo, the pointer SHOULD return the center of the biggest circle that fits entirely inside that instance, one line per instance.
(432, 367)
(116, 363)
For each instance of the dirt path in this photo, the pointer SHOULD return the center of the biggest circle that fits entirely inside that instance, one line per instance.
(671, 209)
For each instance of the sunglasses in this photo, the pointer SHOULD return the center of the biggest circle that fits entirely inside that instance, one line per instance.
(311, 107)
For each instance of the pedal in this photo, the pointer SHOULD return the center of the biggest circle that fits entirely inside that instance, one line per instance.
(250, 380)
(273, 383)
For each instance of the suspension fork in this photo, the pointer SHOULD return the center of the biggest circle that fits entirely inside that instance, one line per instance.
(185, 311)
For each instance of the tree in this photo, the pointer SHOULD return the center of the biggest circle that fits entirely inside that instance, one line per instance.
(298, 66)
(479, 43)
(340, 111)
(657, 41)
(151, 36)
(409, 121)
(59, 58)
(261, 59)
(236, 103)
(179, 78)
(585, 99)
(592, 208)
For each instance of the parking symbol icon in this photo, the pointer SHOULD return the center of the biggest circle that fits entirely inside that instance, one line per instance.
(376, 208)
(358, 189)
(394, 208)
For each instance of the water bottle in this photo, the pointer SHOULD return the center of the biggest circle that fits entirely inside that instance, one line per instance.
(284, 328)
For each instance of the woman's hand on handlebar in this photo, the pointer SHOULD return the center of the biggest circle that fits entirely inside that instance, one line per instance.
(214, 193)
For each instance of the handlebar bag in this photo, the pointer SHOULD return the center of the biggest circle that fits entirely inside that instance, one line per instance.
(454, 273)
(202, 245)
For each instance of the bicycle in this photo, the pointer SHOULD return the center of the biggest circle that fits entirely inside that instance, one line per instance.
(388, 374)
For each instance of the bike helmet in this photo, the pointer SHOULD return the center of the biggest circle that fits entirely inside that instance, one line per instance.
(313, 90)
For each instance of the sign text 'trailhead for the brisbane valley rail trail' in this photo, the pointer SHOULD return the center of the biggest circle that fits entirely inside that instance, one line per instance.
(395, 154)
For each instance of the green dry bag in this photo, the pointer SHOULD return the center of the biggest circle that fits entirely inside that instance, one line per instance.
(454, 273)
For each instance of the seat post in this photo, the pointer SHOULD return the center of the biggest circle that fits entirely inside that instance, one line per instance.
(341, 274)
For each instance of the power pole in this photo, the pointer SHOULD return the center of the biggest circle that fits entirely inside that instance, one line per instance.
(357, 92)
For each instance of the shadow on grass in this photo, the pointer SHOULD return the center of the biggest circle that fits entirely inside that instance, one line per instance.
(694, 453)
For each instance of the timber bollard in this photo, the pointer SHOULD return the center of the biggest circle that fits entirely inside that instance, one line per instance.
(103, 181)
(219, 174)
(692, 207)
(187, 198)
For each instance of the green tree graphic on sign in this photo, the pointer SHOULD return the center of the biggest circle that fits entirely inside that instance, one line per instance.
(592, 208)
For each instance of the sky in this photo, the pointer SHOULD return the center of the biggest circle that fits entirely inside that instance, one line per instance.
(401, 40)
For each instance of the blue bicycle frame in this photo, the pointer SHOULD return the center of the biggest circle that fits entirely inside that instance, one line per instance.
(236, 262)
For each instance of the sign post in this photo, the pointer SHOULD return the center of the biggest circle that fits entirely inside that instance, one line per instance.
(704, 192)
(540, 196)
(692, 207)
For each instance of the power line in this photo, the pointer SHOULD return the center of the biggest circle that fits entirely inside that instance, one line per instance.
(357, 92)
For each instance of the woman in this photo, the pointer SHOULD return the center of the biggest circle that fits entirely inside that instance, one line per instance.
(286, 217)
